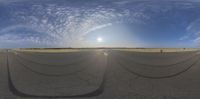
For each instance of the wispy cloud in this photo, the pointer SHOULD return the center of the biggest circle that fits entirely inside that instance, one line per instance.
(193, 32)
(99, 27)
(9, 1)
(65, 24)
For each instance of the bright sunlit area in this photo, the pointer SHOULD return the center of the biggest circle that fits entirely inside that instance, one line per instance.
(99, 39)
(115, 35)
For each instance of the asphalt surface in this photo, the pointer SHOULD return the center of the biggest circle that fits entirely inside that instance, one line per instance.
(109, 74)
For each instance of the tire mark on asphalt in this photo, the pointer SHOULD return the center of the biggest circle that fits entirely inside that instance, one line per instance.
(56, 75)
(163, 66)
(94, 93)
(169, 76)
(48, 65)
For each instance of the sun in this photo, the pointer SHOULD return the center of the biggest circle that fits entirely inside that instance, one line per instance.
(99, 39)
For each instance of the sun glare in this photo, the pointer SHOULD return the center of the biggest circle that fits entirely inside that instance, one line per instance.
(99, 39)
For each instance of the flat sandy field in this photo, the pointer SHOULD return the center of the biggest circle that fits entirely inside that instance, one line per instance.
(49, 50)
(159, 49)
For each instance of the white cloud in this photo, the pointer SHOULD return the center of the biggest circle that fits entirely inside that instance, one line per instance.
(9, 1)
(67, 24)
(70, 24)
(197, 41)
(193, 32)
(14, 35)
(184, 37)
(99, 27)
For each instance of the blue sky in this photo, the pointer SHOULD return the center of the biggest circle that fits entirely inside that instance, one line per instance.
(79, 23)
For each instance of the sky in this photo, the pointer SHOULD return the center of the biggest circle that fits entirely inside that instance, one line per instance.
(99, 23)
